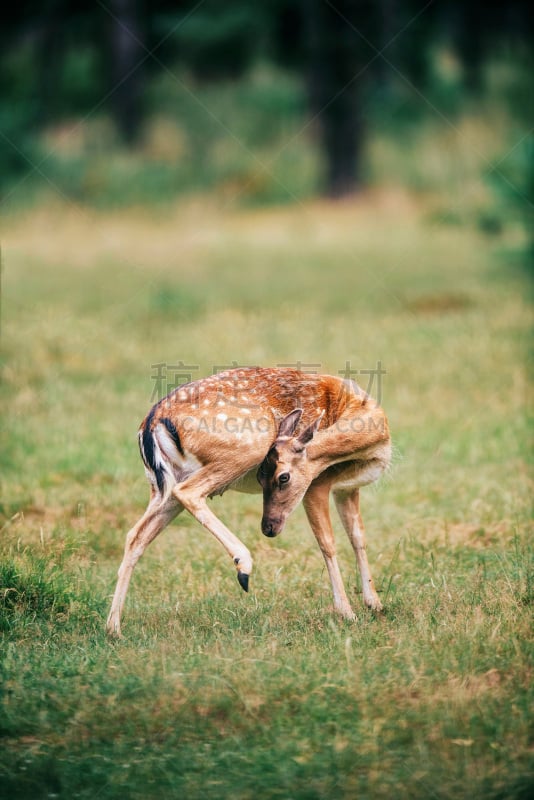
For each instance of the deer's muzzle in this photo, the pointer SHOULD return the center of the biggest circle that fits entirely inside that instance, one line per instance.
(271, 526)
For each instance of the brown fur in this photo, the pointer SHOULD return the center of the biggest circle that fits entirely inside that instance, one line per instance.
(214, 434)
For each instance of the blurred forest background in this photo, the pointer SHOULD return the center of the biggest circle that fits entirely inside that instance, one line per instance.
(123, 101)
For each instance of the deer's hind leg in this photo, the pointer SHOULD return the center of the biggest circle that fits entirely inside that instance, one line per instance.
(160, 511)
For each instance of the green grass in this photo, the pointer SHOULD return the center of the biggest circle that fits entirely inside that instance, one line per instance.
(213, 693)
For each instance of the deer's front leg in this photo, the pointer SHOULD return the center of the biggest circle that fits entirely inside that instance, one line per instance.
(192, 495)
(348, 506)
(316, 506)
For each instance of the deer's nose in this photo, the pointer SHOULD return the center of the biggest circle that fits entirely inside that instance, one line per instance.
(270, 527)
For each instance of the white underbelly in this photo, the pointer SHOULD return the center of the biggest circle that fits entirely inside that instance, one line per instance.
(363, 471)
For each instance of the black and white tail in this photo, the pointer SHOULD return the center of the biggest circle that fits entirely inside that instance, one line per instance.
(161, 450)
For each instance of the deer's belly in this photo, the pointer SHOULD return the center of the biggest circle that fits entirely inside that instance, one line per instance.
(247, 483)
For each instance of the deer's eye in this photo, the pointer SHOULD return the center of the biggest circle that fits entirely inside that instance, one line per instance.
(283, 478)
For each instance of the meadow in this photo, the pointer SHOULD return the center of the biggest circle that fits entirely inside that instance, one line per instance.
(213, 693)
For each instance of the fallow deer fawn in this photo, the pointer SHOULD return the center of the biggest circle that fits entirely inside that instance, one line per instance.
(295, 436)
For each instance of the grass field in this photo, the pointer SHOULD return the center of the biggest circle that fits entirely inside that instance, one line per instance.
(213, 693)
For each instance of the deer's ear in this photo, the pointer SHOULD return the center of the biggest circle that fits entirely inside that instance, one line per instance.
(289, 423)
(309, 432)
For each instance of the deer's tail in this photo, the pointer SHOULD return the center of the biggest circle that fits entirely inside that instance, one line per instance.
(161, 451)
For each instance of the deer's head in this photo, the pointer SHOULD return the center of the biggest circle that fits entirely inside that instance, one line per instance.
(285, 473)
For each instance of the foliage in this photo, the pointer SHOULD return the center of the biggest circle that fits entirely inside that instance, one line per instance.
(62, 62)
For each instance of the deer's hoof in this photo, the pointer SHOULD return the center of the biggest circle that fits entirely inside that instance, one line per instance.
(373, 602)
(113, 631)
(242, 577)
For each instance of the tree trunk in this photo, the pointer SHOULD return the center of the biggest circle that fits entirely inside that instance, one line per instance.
(127, 54)
(342, 145)
(337, 59)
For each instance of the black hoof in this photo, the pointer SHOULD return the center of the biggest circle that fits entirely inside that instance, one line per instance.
(242, 577)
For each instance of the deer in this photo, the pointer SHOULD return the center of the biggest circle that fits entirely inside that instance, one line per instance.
(291, 435)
